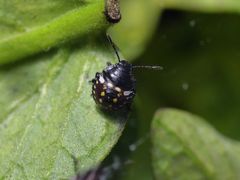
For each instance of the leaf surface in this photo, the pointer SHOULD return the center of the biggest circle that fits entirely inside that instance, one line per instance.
(50, 127)
(36, 37)
(43, 132)
(202, 5)
(134, 31)
(185, 147)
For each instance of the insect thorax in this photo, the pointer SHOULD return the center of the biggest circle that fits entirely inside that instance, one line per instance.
(114, 88)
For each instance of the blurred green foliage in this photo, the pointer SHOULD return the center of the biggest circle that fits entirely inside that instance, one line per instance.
(200, 56)
(185, 147)
(201, 59)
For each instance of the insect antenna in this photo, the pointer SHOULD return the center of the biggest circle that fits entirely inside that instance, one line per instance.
(148, 67)
(114, 47)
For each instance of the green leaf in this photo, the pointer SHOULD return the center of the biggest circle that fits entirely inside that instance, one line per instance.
(186, 147)
(50, 127)
(55, 122)
(140, 18)
(20, 41)
(139, 21)
(202, 5)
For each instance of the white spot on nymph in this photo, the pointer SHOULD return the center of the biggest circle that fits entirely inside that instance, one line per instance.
(113, 75)
(101, 79)
(117, 89)
(127, 93)
(110, 85)
(116, 73)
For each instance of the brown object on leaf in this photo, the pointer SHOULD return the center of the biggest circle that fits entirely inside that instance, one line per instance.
(112, 11)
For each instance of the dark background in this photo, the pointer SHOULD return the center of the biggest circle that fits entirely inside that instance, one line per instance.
(200, 55)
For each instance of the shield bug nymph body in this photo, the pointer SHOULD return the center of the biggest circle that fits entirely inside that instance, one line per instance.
(115, 87)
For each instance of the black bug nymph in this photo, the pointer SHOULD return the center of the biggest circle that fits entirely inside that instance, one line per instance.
(114, 88)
